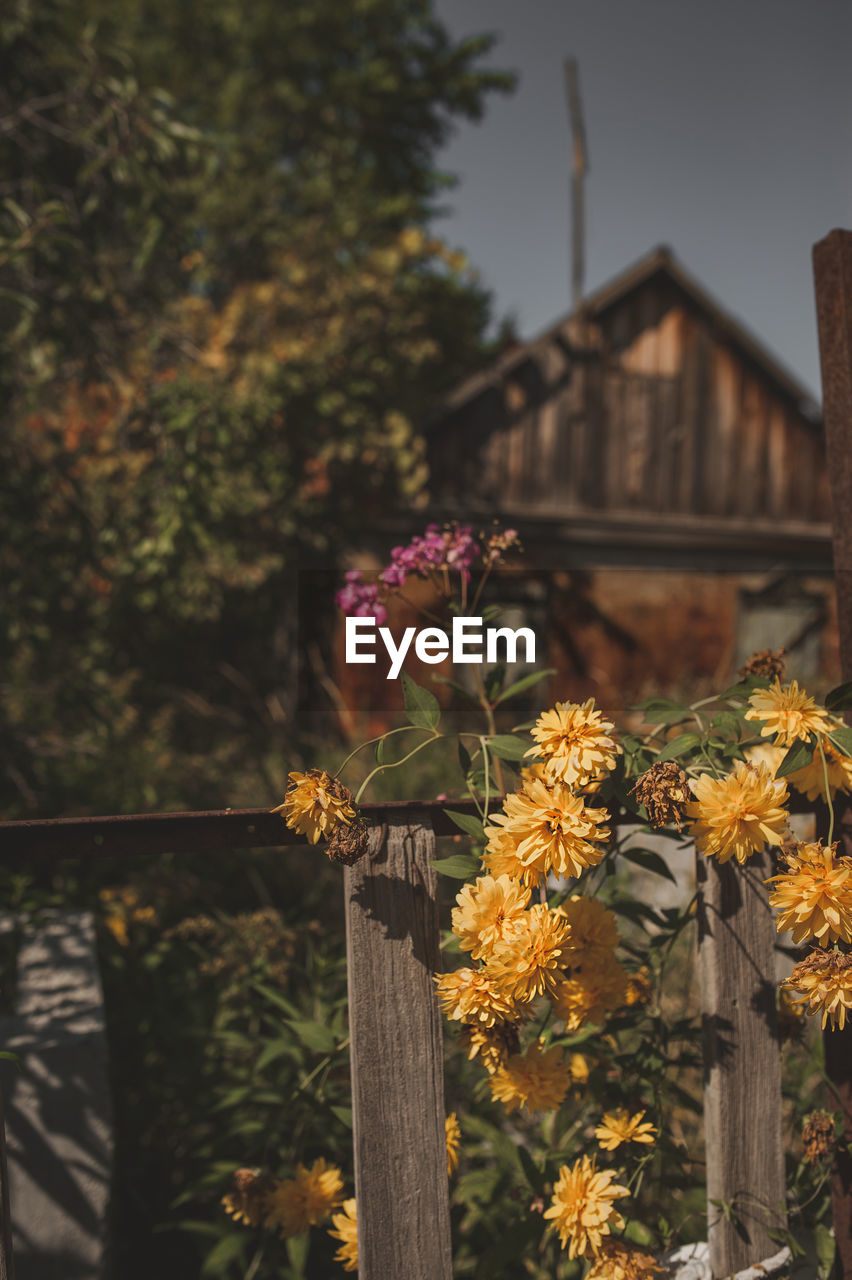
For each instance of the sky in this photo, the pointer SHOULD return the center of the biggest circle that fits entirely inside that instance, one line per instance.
(722, 129)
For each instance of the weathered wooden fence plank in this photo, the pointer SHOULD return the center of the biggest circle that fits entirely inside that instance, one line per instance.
(833, 280)
(397, 1057)
(742, 1066)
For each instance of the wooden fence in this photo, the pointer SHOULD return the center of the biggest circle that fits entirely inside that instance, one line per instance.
(392, 951)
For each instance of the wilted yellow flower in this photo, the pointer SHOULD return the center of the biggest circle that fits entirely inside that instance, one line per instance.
(346, 1229)
(248, 1199)
(619, 1260)
(488, 913)
(738, 814)
(301, 1202)
(575, 743)
(538, 1079)
(810, 779)
(579, 1068)
(493, 1045)
(315, 804)
(583, 1206)
(453, 1131)
(814, 894)
(824, 981)
(472, 995)
(787, 713)
(590, 994)
(552, 830)
(819, 1139)
(593, 929)
(619, 1126)
(664, 791)
(531, 961)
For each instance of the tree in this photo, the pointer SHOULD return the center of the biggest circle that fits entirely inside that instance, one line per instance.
(225, 311)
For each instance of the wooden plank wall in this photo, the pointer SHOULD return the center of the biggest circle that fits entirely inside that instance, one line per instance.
(660, 413)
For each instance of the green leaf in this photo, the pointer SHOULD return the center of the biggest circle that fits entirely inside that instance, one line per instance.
(297, 1253)
(494, 682)
(467, 822)
(315, 1035)
(525, 682)
(421, 706)
(464, 758)
(679, 746)
(531, 1170)
(662, 710)
(649, 861)
(800, 754)
(219, 1259)
(276, 1049)
(842, 739)
(277, 999)
(507, 747)
(344, 1115)
(380, 750)
(458, 688)
(459, 866)
(840, 697)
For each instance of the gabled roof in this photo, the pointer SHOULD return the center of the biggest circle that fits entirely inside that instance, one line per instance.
(660, 261)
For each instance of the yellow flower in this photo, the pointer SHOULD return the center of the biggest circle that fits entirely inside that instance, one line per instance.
(472, 995)
(579, 1068)
(593, 930)
(618, 1260)
(301, 1202)
(738, 814)
(575, 743)
(619, 1126)
(590, 994)
(346, 1229)
(248, 1199)
(787, 713)
(530, 964)
(810, 779)
(488, 913)
(315, 804)
(493, 1045)
(537, 1080)
(552, 831)
(824, 981)
(814, 895)
(453, 1131)
(583, 1206)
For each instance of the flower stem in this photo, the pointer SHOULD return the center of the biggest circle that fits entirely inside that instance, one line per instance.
(827, 791)
(395, 765)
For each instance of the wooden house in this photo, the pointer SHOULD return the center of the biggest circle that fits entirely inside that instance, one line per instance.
(667, 476)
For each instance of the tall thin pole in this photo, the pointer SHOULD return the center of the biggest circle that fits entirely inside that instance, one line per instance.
(579, 169)
(833, 280)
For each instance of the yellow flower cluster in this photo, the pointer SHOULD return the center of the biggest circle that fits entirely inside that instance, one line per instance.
(527, 951)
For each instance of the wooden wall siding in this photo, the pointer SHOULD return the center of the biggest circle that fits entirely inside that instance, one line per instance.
(656, 412)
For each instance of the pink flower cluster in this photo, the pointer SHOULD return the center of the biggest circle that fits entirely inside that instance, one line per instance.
(452, 548)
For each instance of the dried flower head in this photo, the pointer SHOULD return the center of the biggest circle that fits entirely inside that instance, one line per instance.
(814, 895)
(315, 804)
(664, 791)
(346, 1229)
(248, 1199)
(738, 814)
(767, 663)
(453, 1133)
(301, 1202)
(348, 844)
(583, 1208)
(824, 981)
(818, 1136)
(575, 743)
(537, 1079)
